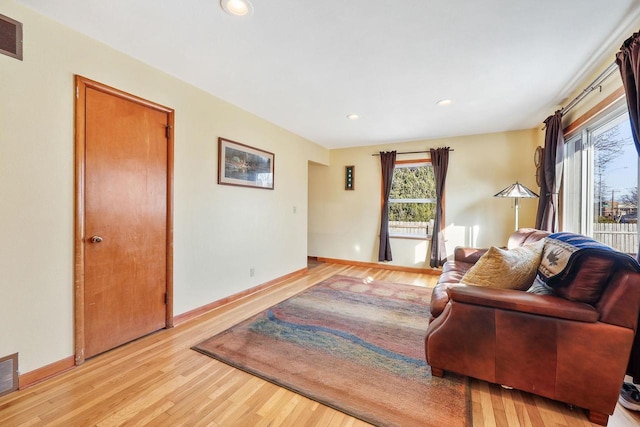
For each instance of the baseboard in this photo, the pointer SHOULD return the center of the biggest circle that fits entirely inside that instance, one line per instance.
(34, 377)
(192, 314)
(434, 271)
(29, 379)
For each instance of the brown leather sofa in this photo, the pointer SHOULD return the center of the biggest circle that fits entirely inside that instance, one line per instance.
(550, 345)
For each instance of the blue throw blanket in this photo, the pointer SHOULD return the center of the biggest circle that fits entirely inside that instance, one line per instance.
(562, 250)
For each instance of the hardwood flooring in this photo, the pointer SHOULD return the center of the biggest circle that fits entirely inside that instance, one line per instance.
(159, 381)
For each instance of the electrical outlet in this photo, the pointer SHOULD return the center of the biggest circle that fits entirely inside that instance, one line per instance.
(252, 272)
(295, 209)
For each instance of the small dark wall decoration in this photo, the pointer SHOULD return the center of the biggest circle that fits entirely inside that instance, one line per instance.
(349, 177)
(10, 37)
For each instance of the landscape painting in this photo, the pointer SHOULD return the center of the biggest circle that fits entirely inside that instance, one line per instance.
(245, 166)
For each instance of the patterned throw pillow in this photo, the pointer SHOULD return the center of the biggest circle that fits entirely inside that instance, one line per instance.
(506, 268)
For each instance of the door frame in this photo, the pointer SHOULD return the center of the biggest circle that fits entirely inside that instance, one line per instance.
(80, 88)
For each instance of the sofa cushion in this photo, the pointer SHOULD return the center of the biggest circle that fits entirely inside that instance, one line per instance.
(525, 236)
(452, 272)
(506, 268)
(456, 269)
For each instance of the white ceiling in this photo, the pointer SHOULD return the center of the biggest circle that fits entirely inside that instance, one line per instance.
(306, 64)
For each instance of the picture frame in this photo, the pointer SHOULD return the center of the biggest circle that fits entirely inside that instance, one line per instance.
(537, 156)
(244, 166)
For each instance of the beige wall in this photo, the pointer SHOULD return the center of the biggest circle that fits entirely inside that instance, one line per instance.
(345, 224)
(220, 231)
(607, 87)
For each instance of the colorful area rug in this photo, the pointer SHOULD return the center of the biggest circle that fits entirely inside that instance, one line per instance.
(354, 345)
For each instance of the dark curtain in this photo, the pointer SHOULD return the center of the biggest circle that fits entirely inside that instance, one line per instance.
(440, 163)
(388, 163)
(551, 177)
(628, 60)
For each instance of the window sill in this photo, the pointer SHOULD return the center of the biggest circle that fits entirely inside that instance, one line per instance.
(409, 237)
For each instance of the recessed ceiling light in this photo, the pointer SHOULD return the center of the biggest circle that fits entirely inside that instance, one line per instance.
(353, 117)
(444, 102)
(237, 7)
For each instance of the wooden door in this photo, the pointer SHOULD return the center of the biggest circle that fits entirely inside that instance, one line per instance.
(125, 236)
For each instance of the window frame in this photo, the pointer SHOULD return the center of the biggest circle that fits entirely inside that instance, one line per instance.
(583, 134)
(577, 214)
(405, 164)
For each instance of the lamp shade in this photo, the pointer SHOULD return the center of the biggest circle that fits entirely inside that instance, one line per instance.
(516, 190)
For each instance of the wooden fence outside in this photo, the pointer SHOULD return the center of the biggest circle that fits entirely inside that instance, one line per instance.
(623, 237)
(412, 228)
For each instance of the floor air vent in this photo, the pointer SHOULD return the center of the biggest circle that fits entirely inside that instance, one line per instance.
(8, 374)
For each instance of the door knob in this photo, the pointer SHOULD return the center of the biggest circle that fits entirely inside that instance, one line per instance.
(96, 239)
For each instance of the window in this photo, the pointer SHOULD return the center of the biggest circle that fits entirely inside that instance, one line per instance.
(412, 202)
(600, 189)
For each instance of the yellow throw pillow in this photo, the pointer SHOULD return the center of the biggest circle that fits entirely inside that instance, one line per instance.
(506, 268)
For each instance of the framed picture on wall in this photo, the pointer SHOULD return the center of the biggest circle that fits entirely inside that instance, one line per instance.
(244, 166)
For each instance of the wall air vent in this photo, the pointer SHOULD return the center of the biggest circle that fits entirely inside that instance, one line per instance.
(10, 37)
(8, 374)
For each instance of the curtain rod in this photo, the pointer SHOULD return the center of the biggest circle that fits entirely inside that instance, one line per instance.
(409, 152)
(593, 86)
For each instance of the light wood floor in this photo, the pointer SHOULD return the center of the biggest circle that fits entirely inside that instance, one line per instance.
(159, 381)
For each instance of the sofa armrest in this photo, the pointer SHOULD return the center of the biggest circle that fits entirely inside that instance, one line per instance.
(506, 299)
(468, 254)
